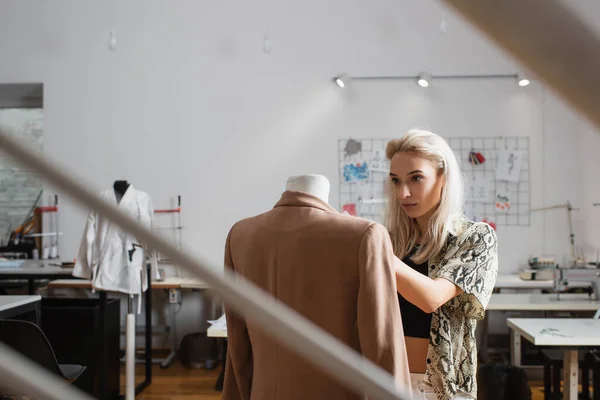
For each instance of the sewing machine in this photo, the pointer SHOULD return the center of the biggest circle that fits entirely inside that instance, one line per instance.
(562, 277)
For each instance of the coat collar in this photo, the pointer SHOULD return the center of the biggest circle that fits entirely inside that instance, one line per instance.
(127, 196)
(303, 199)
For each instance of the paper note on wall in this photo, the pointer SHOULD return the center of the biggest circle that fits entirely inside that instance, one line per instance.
(355, 172)
(350, 209)
(378, 161)
(502, 201)
(481, 190)
(508, 165)
(364, 191)
(352, 147)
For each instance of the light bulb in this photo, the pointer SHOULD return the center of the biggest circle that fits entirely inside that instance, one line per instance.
(342, 80)
(423, 79)
(112, 40)
(266, 47)
(523, 82)
(443, 24)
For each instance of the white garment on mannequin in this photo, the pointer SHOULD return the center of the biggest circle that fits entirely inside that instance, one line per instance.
(316, 185)
(112, 258)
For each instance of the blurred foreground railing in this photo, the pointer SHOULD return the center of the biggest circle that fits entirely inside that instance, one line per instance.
(541, 34)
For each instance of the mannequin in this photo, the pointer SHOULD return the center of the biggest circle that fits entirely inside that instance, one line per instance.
(115, 260)
(316, 185)
(120, 188)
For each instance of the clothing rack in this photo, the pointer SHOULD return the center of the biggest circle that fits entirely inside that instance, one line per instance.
(178, 227)
(173, 293)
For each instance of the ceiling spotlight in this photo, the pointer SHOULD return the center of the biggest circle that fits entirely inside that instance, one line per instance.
(342, 80)
(522, 80)
(424, 79)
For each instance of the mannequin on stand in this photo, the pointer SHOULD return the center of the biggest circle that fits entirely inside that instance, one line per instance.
(116, 261)
(305, 245)
(120, 187)
(316, 185)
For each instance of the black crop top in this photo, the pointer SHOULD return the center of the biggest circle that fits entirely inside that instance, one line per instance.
(416, 323)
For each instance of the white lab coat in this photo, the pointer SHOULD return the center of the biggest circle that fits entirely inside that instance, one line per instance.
(110, 257)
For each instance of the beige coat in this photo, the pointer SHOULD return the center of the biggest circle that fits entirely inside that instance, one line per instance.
(334, 269)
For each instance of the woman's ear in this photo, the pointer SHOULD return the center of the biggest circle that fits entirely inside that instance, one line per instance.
(442, 177)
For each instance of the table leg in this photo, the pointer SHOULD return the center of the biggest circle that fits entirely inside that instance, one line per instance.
(571, 372)
(38, 313)
(172, 330)
(103, 347)
(221, 378)
(515, 348)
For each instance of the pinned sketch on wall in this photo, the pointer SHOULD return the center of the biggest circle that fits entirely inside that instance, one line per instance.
(378, 161)
(508, 166)
(349, 208)
(490, 223)
(502, 200)
(352, 147)
(483, 161)
(365, 192)
(355, 172)
(481, 190)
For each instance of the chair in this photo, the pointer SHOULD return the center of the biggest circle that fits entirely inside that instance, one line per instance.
(502, 382)
(28, 339)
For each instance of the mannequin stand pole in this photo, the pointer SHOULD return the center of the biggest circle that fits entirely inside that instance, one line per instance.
(130, 352)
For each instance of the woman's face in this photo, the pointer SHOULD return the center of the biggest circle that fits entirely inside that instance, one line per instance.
(417, 184)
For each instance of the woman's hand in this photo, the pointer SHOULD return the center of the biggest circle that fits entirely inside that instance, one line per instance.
(426, 293)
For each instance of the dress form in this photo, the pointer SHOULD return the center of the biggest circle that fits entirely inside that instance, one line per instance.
(316, 185)
(120, 188)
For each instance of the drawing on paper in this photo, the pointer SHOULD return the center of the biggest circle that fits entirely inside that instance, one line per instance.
(350, 209)
(490, 223)
(502, 201)
(379, 162)
(352, 147)
(364, 192)
(481, 190)
(355, 172)
(508, 167)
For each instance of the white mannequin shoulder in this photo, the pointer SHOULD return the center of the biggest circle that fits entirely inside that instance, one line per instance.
(316, 185)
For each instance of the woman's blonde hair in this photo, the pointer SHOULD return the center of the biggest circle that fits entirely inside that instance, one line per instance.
(404, 231)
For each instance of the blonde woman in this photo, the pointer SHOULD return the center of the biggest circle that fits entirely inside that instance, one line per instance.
(446, 269)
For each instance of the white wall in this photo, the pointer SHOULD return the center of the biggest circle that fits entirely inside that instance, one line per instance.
(482, 108)
(188, 104)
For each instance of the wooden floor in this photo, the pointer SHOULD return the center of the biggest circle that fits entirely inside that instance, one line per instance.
(179, 383)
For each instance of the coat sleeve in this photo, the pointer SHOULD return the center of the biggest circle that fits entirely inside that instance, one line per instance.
(379, 322)
(86, 258)
(239, 360)
(474, 267)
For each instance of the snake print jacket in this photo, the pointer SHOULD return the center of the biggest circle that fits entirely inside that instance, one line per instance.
(470, 261)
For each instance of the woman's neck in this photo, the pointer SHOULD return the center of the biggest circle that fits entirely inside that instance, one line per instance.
(423, 224)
